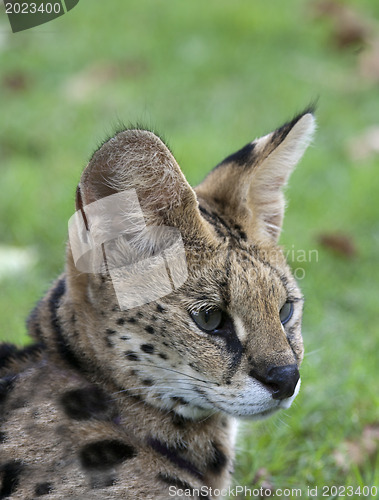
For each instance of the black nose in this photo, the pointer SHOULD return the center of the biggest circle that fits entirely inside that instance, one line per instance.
(281, 380)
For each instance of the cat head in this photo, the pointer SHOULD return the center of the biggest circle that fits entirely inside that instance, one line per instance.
(191, 282)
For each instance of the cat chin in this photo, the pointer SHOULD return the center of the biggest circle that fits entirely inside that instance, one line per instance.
(194, 412)
(261, 415)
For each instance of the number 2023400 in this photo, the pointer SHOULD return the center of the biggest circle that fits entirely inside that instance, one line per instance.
(33, 8)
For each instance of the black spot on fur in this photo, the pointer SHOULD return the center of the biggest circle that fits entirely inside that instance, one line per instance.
(214, 220)
(132, 356)
(63, 347)
(179, 484)
(6, 385)
(241, 233)
(224, 423)
(217, 221)
(179, 400)
(194, 367)
(149, 329)
(160, 309)
(148, 348)
(6, 352)
(179, 421)
(163, 355)
(120, 321)
(148, 382)
(106, 454)
(172, 454)
(132, 320)
(10, 474)
(82, 404)
(109, 331)
(9, 352)
(219, 460)
(3, 437)
(43, 489)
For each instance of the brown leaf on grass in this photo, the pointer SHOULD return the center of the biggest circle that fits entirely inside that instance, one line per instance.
(263, 479)
(83, 84)
(359, 451)
(16, 81)
(349, 27)
(341, 244)
(366, 145)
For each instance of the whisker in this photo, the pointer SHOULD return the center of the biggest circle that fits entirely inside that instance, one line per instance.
(315, 351)
(180, 373)
(159, 388)
(159, 397)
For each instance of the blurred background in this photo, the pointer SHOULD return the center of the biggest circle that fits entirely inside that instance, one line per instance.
(210, 77)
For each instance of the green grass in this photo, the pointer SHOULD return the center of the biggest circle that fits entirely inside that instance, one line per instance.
(211, 76)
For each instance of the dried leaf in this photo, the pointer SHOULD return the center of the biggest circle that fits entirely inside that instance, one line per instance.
(16, 81)
(260, 475)
(263, 479)
(83, 84)
(349, 27)
(341, 244)
(366, 145)
(359, 451)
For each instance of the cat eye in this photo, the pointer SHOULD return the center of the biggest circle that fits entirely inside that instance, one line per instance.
(286, 312)
(208, 320)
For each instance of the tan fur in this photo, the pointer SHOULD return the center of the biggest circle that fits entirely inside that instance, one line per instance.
(124, 404)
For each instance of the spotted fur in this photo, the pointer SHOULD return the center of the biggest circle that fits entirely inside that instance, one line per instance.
(125, 404)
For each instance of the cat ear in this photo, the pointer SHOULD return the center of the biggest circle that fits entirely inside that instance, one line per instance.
(247, 187)
(139, 164)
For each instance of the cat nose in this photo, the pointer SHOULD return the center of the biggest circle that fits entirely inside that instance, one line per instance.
(281, 380)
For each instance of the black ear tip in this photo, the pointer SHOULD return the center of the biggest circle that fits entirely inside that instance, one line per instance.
(281, 133)
(311, 108)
